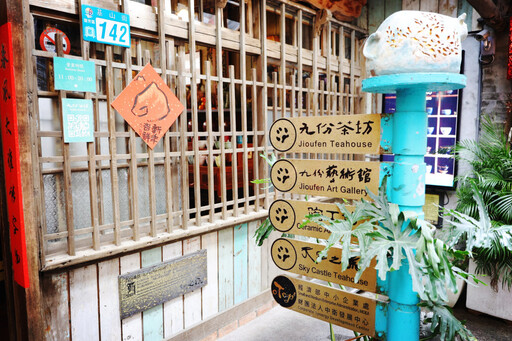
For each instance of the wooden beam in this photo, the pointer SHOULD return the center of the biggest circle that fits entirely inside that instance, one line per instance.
(494, 14)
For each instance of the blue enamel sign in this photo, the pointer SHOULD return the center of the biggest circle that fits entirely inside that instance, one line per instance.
(74, 74)
(104, 26)
(77, 117)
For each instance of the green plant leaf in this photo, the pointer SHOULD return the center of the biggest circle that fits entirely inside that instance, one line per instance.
(445, 324)
(263, 231)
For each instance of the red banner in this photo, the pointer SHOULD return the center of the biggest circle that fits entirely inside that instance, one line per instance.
(11, 155)
(509, 69)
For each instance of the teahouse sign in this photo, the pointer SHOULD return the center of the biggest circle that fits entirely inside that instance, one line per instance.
(300, 258)
(337, 134)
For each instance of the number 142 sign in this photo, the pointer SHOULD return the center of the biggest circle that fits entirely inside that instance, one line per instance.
(104, 26)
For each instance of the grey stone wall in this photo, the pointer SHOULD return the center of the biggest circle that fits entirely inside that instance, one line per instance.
(496, 89)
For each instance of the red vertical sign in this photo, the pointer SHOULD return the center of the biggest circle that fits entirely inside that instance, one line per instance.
(509, 69)
(11, 155)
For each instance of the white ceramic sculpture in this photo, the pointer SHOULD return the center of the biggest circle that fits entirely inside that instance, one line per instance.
(414, 41)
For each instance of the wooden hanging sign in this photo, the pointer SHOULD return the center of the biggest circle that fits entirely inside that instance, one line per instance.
(352, 311)
(143, 289)
(287, 216)
(300, 258)
(340, 179)
(148, 105)
(11, 157)
(328, 134)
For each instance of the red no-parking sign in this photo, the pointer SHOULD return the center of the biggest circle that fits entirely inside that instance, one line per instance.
(47, 40)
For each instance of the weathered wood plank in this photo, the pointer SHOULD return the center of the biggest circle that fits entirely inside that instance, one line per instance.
(220, 107)
(265, 263)
(194, 104)
(300, 95)
(183, 141)
(192, 300)
(209, 127)
(465, 7)
(411, 5)
(55, 303)
(66, 166)
(211, 290)
(110, 323)
(226, 269)
(264, 94)
(234, 159)
(93, 193)
(83, 294)
(152, 319)
(173, 309)
(240, 263)
(243, 107)
(429, 6)
(255, 155)
(131, 326)
(163, 66)
(112, 145)
(254, 255)
(362, 20)
(174, 143)
(448, 7)
(392, 6)
(375, 14)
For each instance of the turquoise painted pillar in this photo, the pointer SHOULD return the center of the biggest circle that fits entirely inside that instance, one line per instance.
(407, 183)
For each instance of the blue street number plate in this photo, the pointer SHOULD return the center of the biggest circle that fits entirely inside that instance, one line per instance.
(104, 26)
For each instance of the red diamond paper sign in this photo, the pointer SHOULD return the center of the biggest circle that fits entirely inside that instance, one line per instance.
(148, 105)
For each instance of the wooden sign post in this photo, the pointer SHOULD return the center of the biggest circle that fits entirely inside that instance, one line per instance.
(340, 179)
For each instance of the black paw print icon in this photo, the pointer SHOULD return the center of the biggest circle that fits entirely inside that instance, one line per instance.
(281, 215)
(283, 135)
(283, 174)
(284, 254)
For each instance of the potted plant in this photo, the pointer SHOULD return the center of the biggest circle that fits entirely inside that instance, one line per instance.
(491, 162)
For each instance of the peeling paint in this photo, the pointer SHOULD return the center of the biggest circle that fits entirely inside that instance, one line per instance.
(415, 168)
(420, 189)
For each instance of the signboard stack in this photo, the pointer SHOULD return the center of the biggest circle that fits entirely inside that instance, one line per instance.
(339, 179)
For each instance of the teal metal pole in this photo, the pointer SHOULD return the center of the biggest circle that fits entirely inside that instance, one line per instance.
(409, 143)
(408, 191)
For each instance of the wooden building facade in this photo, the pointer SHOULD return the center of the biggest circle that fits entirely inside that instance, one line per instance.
(97, 210)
